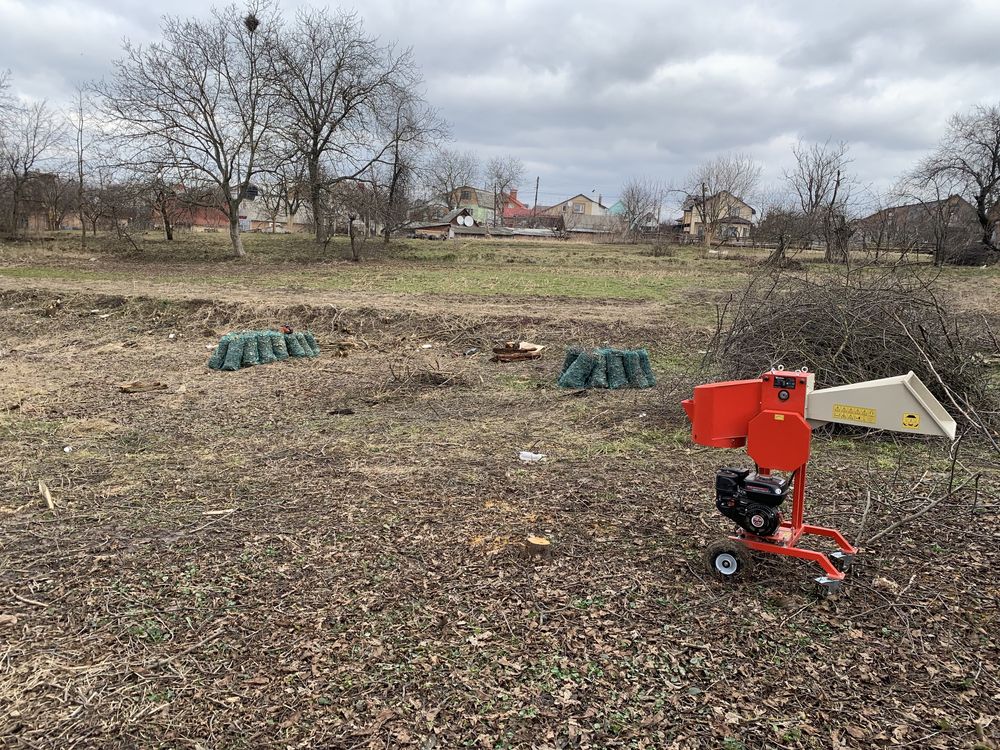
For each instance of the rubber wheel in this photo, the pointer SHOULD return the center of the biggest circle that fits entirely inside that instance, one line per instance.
(728, 560)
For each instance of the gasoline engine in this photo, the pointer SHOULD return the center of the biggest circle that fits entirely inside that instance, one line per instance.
(750, 499)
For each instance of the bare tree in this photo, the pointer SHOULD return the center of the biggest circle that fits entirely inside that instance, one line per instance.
(968, 160)
(413, 127)
(823, 186)
(780, 225)
(28, 140)
(447, 170)
(641, 201)
(716, 188)
(503, 174)
(336, 81)
(81, 142)
(200, 103)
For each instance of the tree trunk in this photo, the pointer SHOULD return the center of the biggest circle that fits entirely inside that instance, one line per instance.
(234, 229)
(315, 197)
(168, 228)
(355, 251)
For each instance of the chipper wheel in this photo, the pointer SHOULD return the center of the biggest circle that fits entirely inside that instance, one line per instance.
(728, 560)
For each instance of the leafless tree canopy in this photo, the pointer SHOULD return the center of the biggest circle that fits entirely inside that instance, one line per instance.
(29, 134)
(967, 163)
(199, 103)
(641, 200)
(342, 92)
(503, 174)
(821, 182)
(729, 175)
(449, 169)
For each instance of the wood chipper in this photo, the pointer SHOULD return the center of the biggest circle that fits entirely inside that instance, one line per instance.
(773, 416)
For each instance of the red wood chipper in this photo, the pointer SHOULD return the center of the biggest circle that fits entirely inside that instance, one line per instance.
(773, 416)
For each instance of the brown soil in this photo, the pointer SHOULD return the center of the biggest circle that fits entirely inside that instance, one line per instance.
(239, 561)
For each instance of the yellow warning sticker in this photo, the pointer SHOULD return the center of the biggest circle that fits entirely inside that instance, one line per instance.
(854, 413)
(911, 420)
(779, 417)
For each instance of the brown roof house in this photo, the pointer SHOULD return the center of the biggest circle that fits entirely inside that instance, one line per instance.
(727, 217)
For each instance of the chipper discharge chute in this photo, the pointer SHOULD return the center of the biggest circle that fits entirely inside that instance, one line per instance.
(772, 417)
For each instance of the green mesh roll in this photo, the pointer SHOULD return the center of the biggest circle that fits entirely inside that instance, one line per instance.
(647, 368)
(251, 355)
(616, 370)
(304, 343)
(264, 349)
(278, 345)
(577, 374)
(313, 343)
(219, 355)
(571, 354)
(599, 375)
(633, 370)
(234, 354)
(294, 347)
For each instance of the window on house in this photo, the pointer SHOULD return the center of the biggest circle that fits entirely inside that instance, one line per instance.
(466, 195)
(734, 211)
(578, 208)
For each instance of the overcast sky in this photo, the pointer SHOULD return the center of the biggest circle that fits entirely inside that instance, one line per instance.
(590, 93)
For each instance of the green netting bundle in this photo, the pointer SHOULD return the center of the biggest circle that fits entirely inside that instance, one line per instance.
(234, 353)
(599, 375)
(266, 349)
(607, 368)
(219, 355)
(578, 372)
(647, 368)
(251, 353)
(294, 346)
(278, 345)
(248, 348)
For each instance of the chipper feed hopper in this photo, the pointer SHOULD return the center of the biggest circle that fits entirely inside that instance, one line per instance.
(772, 417)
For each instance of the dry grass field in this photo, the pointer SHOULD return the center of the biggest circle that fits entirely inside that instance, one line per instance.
(328, 553)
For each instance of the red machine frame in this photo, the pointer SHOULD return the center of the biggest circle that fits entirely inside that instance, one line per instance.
(767, 416)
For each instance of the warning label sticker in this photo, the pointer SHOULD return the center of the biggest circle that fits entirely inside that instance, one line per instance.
(911, 420)
(854, 413)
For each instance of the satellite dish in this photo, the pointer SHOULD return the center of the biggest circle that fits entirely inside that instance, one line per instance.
(469, 221)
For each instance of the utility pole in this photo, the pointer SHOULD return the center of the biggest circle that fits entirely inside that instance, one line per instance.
(534, 211)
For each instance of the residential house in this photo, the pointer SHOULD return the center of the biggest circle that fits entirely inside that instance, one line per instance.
(727, 216)
(927, 225)
(578, 205)
(481, 203)
(514, 210)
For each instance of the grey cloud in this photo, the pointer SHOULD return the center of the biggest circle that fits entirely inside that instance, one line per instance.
(589, 93)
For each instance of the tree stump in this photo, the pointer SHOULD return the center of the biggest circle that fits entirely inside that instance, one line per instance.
(537, 546)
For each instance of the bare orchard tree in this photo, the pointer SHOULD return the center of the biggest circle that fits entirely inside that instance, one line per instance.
(716, 188)
(968, 159)
(780, 226)
(200, 102)
(412, 127)
(447, 170)
(335, 81)
(641, 201)
(28, 142)
(821, 182)
(503, 174)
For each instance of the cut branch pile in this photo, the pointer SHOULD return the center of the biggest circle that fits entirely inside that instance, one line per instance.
(858, 325)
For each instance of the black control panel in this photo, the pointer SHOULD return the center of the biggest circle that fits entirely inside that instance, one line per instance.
(783, 382)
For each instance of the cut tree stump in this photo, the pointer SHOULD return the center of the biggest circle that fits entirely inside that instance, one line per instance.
(537, 546)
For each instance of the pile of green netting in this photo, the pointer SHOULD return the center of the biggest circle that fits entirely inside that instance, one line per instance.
(247, 348)
(607, 368)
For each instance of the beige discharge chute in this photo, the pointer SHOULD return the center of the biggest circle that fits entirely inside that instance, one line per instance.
(901, 403)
